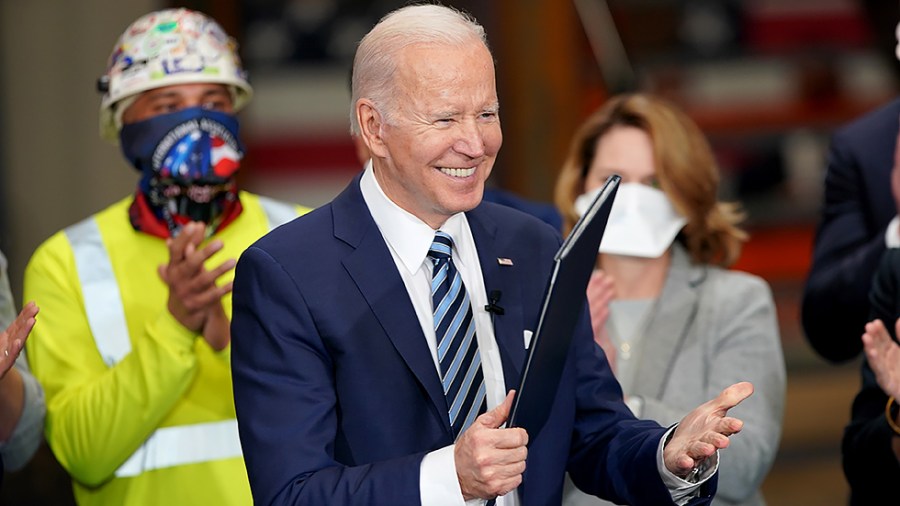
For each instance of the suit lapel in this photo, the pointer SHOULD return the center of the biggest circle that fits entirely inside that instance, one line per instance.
(670, 319)
(508, 327)
(372, 268)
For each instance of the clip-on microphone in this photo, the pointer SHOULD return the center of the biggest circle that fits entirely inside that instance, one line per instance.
(493, 299)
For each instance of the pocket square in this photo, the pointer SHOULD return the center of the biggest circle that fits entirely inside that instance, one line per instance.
(504, 261)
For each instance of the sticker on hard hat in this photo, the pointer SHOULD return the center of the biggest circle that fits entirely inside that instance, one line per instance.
(189, 63)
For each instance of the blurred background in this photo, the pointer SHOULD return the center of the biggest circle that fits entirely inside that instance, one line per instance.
(767, 80)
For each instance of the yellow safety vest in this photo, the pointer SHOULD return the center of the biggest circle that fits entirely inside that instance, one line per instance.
(140, 411)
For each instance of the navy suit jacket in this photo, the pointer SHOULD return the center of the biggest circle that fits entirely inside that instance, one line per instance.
(850, 237)
(338, 398)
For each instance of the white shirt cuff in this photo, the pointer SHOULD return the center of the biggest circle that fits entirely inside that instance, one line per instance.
(892, 234)
(438, 483)
(682, 490)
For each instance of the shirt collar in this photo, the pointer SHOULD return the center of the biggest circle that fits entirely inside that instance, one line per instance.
(408, 236)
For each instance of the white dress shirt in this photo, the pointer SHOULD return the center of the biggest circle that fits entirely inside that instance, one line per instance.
(408, 238)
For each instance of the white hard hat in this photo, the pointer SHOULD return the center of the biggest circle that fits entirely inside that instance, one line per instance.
(162, 48)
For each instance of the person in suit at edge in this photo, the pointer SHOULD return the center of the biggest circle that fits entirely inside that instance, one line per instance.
(664, 309)
(859, 221)
(347, 392)
(870, 447)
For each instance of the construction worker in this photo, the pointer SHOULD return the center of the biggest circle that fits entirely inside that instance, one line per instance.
(133, 346)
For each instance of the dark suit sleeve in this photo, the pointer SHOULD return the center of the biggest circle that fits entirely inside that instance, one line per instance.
(848, 245)
(286, 403)
(869, 463)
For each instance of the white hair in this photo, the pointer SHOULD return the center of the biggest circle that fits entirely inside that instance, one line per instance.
(374, 65)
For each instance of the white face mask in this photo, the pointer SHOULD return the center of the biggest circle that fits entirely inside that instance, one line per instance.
(642, 223)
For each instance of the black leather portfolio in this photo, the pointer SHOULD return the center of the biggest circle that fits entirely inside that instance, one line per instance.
(564, 302)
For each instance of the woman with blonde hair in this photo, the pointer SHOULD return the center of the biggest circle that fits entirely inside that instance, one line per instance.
(676, 325)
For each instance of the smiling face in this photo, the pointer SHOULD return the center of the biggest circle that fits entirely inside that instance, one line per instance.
(435, 148)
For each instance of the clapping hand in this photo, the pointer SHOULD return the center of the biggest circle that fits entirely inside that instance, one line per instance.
(12, 340)
(883, 355)
(600, 292)
(195, 300)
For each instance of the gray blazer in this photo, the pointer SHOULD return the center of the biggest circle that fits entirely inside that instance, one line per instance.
(711, 328)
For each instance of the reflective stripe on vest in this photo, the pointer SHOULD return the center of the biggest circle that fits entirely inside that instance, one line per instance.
(278, 213)
(182, 445)
(102, 301)
(168, 446)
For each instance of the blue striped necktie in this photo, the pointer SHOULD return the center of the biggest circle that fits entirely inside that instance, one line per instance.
(457, 346)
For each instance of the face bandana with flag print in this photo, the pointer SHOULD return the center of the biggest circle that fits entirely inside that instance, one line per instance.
(187, 160)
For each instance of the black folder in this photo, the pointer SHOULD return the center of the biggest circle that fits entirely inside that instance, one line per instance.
(564, 301)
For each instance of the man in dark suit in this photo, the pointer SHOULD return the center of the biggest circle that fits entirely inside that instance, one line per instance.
(853, 233)
(870, 447)
(846, 288)
(854, 279)
(355, 384)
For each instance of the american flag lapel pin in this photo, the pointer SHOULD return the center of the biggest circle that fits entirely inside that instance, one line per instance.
(504, 261)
